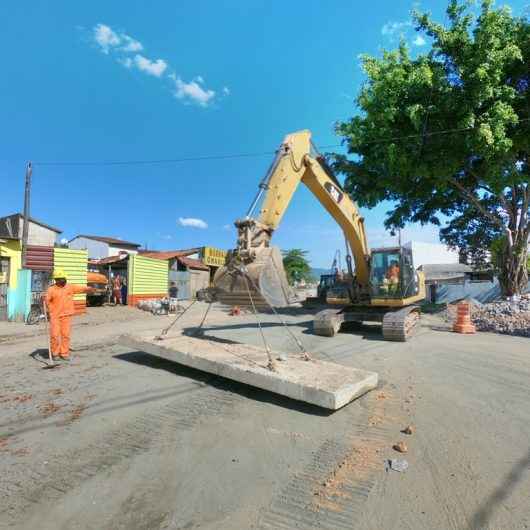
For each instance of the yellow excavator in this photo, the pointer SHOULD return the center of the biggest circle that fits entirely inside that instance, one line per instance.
(384, 287)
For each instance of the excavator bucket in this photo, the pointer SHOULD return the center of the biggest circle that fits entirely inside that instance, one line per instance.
(262, 282)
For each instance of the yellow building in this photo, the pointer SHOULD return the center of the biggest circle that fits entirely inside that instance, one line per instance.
(10, 253)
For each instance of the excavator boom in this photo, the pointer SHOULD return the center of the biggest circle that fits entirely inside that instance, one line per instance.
(254, 272)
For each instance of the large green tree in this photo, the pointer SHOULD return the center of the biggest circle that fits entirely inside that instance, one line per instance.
(447, 133)
(296, 265)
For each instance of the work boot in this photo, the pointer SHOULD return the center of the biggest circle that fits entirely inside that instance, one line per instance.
(65, 358)
(56, 358)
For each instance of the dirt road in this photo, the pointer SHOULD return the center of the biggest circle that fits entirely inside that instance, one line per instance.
(120, 439)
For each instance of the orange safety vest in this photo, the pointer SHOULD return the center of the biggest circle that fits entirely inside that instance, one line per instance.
(60, 300)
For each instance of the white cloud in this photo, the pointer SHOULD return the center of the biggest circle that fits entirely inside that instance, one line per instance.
(124, 48)
(156, 68)
(193, 222)
(391, 28)
(126, 61)
(419, 41)
(108, 40)
(106, 37)
(192, 91)
(132, 45)
(228, 227)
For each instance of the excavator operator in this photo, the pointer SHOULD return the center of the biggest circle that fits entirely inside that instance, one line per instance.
(392, 275)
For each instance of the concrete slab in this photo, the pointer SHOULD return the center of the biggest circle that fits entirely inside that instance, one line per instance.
(327, 385)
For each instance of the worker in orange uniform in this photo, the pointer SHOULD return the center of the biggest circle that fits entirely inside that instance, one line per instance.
(392, 276)
(60, 304)
(116, 289)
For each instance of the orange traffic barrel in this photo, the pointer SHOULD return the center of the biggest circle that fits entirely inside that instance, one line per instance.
(463, 322)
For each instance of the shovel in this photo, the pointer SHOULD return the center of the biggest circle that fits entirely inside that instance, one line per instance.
(51, 363)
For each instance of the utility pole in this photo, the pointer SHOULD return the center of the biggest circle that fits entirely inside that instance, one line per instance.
(25, 229)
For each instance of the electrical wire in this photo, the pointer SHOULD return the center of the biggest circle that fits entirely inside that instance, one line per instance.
(149, 162)
(243, 155)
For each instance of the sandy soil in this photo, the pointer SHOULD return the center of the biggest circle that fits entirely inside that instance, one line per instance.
(121, 439)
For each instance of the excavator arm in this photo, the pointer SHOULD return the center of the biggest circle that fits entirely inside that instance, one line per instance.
(254, 268)
(298, 165)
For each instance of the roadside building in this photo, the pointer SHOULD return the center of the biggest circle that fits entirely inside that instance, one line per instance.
(100, 247)
(39, 233)
(428, 253)
(185, 269)
(439, 274)
(213, 258)
(145, 278)
(22, 285)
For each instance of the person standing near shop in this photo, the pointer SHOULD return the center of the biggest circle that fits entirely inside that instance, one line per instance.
(59, 302)
(124, 291)
(116, 289)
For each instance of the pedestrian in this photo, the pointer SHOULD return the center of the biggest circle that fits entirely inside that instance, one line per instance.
(116, 289)
(60, 305)
(124, 291)
(173, 297)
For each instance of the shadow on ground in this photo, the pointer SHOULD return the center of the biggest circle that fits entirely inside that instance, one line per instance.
(221, 383)
(483, 515)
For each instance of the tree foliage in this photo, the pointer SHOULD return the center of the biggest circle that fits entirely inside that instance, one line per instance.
(447, 133)
(296, 265)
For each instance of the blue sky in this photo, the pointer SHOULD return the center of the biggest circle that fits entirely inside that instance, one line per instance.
(138, 80)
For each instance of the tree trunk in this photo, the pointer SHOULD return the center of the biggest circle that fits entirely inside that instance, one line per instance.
(513, 273)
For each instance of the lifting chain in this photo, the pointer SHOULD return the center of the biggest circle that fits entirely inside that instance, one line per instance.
(165, 330)
(271, 364)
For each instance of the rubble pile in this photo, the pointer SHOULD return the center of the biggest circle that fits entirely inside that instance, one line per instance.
(508, 317)
(156, 307)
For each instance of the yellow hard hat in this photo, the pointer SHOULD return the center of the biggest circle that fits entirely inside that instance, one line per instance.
(59, 273)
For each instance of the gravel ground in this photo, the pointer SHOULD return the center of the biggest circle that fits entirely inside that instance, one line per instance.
(120, 439)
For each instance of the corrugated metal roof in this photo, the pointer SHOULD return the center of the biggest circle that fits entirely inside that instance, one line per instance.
(446, 268)
(193, 263)
(110, 260)
(147, 276)
(110, 240)
(39, 258)
(180, 256)
(74, 263)
(169, 254)
(445, 271)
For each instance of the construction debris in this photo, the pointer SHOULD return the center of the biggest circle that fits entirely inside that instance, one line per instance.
(400, 447)
(510, 317)
(408, 430)
(398, 465)
(155, 307)
(507, 317)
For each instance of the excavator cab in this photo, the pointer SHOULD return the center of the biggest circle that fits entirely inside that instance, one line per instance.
(392, 273)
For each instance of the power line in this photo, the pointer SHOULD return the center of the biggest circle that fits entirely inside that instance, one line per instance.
(149, 162)
(242, 155)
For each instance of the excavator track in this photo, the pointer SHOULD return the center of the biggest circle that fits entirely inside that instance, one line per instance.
(399, 326)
